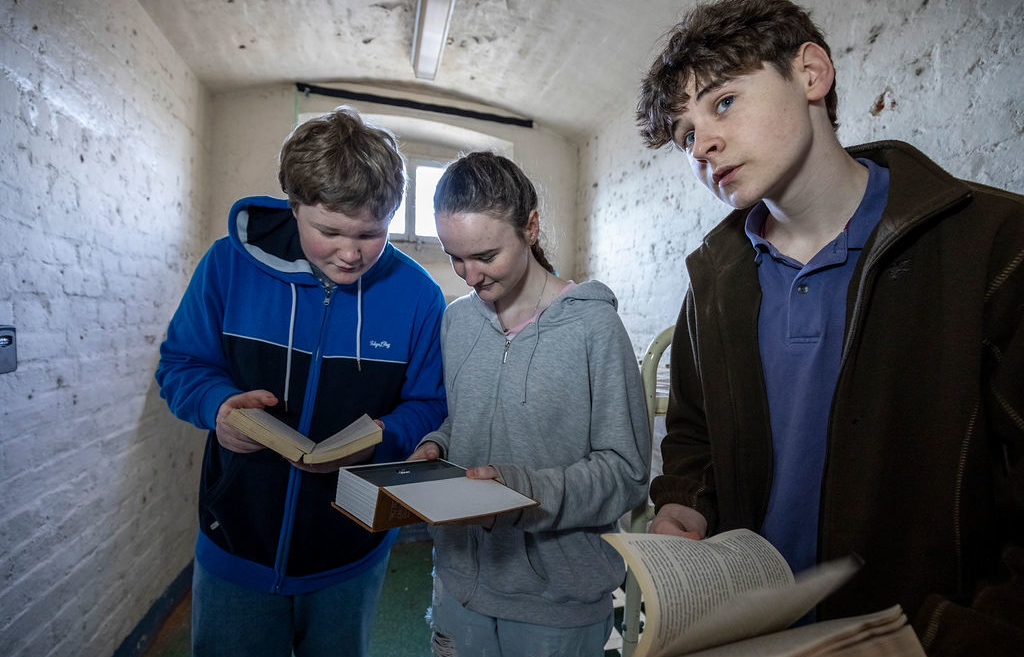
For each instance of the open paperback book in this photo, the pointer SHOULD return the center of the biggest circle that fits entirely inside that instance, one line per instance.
(271, 432)
(734, 594)
(386, 495)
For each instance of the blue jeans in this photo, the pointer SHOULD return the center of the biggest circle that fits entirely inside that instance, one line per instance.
(230, 620)
(469, 634)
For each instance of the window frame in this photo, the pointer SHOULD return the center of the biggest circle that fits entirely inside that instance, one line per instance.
(412, 161)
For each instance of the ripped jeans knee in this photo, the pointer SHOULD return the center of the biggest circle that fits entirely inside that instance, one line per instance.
(441, 645)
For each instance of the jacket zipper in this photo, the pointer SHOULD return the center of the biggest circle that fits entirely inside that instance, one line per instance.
(504, 355)
(295, 476)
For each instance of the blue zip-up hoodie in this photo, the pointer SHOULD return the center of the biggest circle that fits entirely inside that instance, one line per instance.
(255, 316)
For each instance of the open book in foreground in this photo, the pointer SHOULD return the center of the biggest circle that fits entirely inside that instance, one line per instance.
(271, 432)
(734, 594)
(386, 495)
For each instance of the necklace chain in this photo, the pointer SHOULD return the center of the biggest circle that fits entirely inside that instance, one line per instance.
(536, 306)
(543, 288)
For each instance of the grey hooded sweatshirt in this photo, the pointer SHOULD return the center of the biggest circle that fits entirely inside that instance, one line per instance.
(559, 411)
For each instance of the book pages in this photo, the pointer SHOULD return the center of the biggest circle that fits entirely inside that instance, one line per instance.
(267, 430)
(879, 634)
(717, 590)
(358, 435)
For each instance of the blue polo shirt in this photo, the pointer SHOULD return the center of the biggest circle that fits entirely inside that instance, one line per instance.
(800, 334)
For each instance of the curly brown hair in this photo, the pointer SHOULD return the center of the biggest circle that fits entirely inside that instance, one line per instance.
(719, 40)
(343, 163)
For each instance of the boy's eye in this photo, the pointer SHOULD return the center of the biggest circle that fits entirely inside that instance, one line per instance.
(683, 139)
(724, 104)
(486, 258)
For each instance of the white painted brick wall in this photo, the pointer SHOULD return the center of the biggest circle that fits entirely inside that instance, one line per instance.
(101, 223)
(948, 76)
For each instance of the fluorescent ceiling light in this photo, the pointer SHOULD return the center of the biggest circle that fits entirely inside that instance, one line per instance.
(432, 18)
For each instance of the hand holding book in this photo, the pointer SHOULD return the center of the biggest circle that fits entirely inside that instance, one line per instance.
(386, 495)
(227, 435)
(351, 444)
(428, 450)
(679, 520)
(431, 451)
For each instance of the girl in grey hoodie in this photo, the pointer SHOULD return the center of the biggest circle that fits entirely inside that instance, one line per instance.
(544, 395)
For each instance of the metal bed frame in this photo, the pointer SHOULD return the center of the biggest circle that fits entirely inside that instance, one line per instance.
(641, 515)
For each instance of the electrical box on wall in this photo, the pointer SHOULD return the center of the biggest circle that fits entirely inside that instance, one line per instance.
(8, 350)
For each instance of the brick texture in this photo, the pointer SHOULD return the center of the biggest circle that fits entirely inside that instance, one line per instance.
(100, 206)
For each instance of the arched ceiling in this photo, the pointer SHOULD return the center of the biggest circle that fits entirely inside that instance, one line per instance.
(568, 64)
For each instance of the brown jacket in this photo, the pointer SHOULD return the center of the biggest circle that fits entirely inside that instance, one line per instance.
(923, 474)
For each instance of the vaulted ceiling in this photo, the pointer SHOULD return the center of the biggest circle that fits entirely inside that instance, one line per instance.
(569, 64)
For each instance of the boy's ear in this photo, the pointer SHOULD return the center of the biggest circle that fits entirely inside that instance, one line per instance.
(815, 67)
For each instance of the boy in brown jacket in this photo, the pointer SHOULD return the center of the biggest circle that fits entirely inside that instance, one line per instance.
(848, 365)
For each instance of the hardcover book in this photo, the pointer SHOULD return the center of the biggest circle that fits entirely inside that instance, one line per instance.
(386, 495)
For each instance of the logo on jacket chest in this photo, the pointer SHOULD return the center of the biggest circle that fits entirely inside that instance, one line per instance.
(380, 344)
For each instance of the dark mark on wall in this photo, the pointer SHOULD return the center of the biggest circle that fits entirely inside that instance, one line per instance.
(880, 103)
(876, 31)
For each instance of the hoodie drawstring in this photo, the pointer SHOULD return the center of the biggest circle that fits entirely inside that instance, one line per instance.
(291, 338)
(359, 324)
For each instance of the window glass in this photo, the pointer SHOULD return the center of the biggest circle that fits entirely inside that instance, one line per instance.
(418, 221)
(427, 178)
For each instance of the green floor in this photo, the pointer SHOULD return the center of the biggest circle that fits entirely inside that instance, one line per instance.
(401, 629)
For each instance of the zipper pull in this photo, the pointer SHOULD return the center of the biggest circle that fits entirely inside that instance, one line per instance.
(327, 294)
(504, 356)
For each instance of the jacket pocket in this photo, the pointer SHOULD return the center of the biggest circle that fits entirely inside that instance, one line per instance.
(241, 501)
(575, 566)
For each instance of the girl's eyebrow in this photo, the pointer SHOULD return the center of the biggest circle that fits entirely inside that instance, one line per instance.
(481, 254)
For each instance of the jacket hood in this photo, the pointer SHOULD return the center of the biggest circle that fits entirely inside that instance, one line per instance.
(264, 229)
(582, 298)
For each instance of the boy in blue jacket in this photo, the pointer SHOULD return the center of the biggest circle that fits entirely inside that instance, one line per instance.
(847, 366)
(306, 310)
